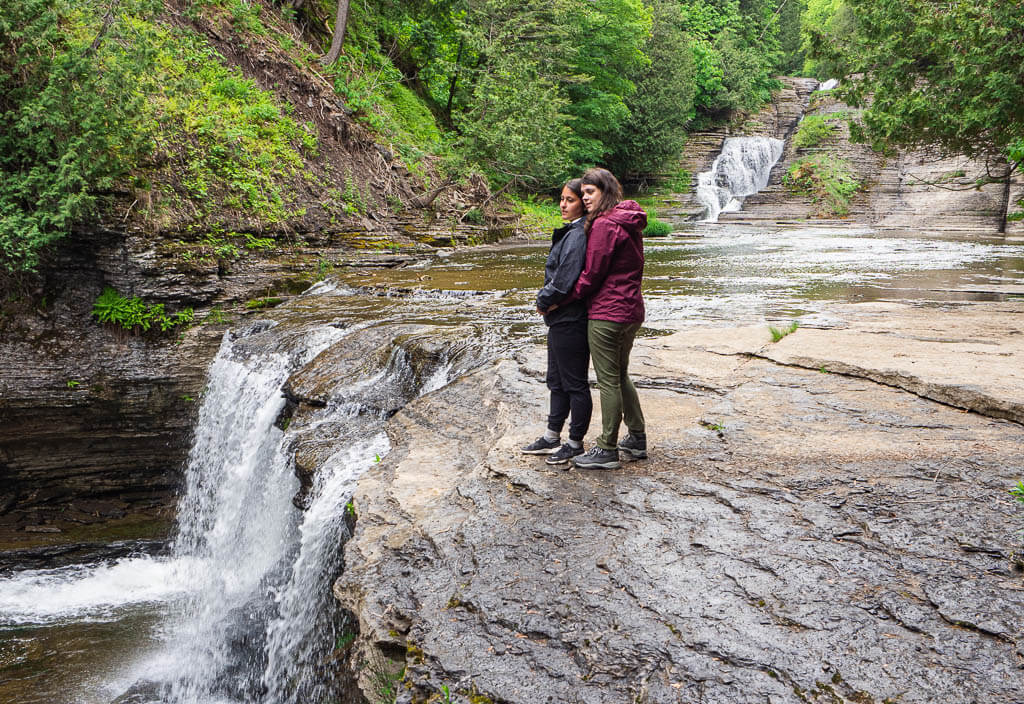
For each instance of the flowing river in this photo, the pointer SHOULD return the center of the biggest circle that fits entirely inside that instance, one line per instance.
(239, 609)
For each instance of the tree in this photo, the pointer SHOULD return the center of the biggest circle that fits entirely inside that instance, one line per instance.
(662, 105)
(70, 108)
(338, 38)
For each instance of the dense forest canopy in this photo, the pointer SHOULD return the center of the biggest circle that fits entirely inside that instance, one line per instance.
(102, 95)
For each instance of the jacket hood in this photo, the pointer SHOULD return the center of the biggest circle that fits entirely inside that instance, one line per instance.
(629, 215)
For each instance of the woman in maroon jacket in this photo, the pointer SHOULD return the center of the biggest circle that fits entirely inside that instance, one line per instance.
(610, 283)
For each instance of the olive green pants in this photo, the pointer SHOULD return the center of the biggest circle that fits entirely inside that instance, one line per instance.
(610, 345)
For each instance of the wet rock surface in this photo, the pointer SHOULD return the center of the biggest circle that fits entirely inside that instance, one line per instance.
(795, 536)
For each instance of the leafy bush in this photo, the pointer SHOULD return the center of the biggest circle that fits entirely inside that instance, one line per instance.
(829, 181)
(69, 115)
(134, 315)
(657, 228)
(813, 130)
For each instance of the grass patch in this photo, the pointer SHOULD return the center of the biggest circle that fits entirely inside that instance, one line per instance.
(260, 303)
(829, 182)
(234, 146)
(813, 130)
(779, 333)
(538, 217)
(657, 228)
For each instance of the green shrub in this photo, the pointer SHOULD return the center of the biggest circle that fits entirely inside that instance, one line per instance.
(474, 216)
(829, 181)
(134, 315)
(657, 228)
(813, 130)
(70, 109)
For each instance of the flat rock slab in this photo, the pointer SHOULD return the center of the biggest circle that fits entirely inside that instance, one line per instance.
(795, 536)
(968, 357)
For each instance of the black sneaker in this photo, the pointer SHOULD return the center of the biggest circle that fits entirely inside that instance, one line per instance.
(565, 453)
(541, 446)
(634, 446)
(597, 458)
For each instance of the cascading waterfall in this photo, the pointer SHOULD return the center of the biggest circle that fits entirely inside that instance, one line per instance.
(741, 170)
(245, 593)
(261, 616)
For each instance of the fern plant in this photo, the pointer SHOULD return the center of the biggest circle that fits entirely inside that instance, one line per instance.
(134, 315)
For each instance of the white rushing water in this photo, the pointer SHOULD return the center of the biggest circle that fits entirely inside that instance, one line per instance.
(246, 588)
(740, 170)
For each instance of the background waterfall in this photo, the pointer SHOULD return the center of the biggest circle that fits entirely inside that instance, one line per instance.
(741, 169)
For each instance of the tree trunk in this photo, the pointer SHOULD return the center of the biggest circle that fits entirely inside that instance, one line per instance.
(339, 34)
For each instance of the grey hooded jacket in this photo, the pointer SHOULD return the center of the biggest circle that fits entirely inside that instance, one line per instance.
(563, 267)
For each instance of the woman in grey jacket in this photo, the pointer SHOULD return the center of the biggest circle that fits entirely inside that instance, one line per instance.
(568, 352)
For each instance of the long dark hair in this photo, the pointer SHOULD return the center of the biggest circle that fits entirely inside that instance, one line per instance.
(576, 186)
(611, 192)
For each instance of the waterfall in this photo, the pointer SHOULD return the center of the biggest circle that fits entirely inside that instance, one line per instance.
(740, 170)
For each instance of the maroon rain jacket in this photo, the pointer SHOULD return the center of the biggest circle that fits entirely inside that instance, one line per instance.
(614, 267)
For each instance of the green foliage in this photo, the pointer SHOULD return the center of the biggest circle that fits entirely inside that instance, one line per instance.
(657, 228)
(735, 52)
(260, 303)
(216, 316)
(1018, 491)
(779, 333)
(829, 181)
(813, 130)
(790, 40)
(826, 23)
(538, 217)
(474, 216)
(933, 74)
(68, 115)
(662, 105)
(134, 315)
(231, 141)
(534, 92)
(88, 104)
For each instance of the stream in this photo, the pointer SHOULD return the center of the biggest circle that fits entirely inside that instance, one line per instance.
(240, 608)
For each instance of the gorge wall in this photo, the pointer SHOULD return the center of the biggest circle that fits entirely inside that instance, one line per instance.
(96, 421)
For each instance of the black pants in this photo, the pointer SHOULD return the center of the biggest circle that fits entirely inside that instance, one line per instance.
(568, 360)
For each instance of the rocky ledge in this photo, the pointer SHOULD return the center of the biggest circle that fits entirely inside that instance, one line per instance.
(822, 519)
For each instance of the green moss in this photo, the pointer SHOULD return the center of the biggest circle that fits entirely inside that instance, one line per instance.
(260, 303)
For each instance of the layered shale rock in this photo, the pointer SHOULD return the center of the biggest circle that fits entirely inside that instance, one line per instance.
(96, 421)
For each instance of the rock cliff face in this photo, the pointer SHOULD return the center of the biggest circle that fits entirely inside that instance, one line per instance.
(95, 423)
(907, 190)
